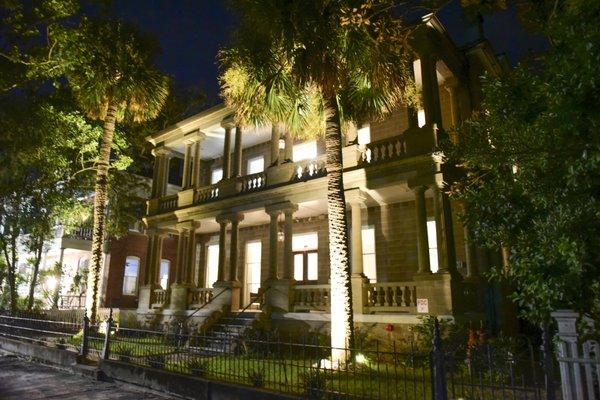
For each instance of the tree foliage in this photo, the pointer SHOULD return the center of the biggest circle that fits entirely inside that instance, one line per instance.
(533, 159)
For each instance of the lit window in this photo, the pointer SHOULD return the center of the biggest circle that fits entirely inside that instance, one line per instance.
(163, 274)
(421, 118)
(368, 253)
(364, 135)
(305, 151)
(433, 250)
(253, 259)
(256, 165)
(216, 175)
(130, 276)
(306, 258)
(212, 264)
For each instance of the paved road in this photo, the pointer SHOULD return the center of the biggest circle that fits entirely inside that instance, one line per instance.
(23, 380)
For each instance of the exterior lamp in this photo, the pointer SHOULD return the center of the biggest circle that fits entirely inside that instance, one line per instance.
(360, 359)
(51, 283)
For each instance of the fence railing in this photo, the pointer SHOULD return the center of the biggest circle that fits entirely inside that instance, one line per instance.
(160, 297)
(299, 364)
(168, 203)
(197, 297)
(383, 150)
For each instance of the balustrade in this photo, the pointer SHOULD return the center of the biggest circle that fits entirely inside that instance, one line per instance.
(383, 150)
(312, 297)
(160, 297)
(167, 203)
(197, 297)
(206, 193)
(392, 296)
(253, 182)
(309, 169)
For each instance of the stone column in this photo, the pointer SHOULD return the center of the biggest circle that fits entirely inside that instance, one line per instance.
(151, 268)
(190, 267)
(289, 148)
(279, 292)
(222, 253)
(275, 134)
(430, 90)
(227, 150)
(445, 235)
(231, 297)
(196, 175)
(187, 158)
(237, 153)
(422, 240)
(288, 255)
(234, 246)
(360, 283)
(411, 112)
(273, 242)
(159, 183)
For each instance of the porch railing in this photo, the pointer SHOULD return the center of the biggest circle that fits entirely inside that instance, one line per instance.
(383, 150)
(197, 297)
(253, 182)
(160, 297)
(392, 296)
(309, 169)
(312, 297)
(206, 193)
(167, 203)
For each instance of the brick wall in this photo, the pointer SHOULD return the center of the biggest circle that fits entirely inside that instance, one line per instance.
(134, 244)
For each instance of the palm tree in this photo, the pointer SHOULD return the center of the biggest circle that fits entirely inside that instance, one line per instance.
(108, 65)
(345, 61)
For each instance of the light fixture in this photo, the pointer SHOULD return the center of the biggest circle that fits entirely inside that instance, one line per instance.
(51, 283)
(360, 359)
(281, 144)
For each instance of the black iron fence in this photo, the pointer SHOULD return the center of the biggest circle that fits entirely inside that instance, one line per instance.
(300, 364)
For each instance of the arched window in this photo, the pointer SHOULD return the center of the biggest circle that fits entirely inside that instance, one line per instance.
(130, 276)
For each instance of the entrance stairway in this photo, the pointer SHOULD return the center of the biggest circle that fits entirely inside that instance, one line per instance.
(226, 334)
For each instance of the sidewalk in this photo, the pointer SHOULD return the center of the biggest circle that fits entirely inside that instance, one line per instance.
(20, 379)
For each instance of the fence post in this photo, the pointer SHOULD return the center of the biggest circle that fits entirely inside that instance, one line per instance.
(548, 362)
(85, 336)
(438, 364)
(109, 323)
(180, 335)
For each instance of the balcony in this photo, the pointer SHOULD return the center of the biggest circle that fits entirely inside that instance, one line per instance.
(355, 157)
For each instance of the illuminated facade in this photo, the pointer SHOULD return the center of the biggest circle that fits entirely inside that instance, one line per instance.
(249, 215)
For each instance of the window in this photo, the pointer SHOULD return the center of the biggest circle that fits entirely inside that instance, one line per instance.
(305, 151)
(212, 264)
(368, 253)
(306, 259)
(130, 276)
(363, 135)
(163, 274)
(253, 264)
(216, 175)
(433, 251)
(256, 165)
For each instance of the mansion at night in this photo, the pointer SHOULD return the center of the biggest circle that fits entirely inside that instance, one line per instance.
(237, 217)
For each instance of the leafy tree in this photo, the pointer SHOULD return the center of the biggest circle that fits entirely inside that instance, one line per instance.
(38, 142)
(108, 65)
(532, 156)
(315, 67)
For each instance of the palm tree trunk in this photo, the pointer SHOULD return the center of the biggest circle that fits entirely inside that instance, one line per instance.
(12, 273)
(34, 276)
(342, 321)
(100, 200)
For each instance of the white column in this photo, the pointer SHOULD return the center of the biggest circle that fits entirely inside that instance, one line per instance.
(288, 255)
(222, 252)
(187, 156)
(430, 90)
(422, 241)
(237, 153)
(444, 231)
(227, 150)
(273, 243)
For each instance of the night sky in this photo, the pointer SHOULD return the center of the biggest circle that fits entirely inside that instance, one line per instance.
(192, 31)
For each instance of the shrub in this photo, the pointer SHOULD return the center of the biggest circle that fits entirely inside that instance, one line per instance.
(256, 377)
(157, 361)
(123, 353)
(198, 367)
(315, 383)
